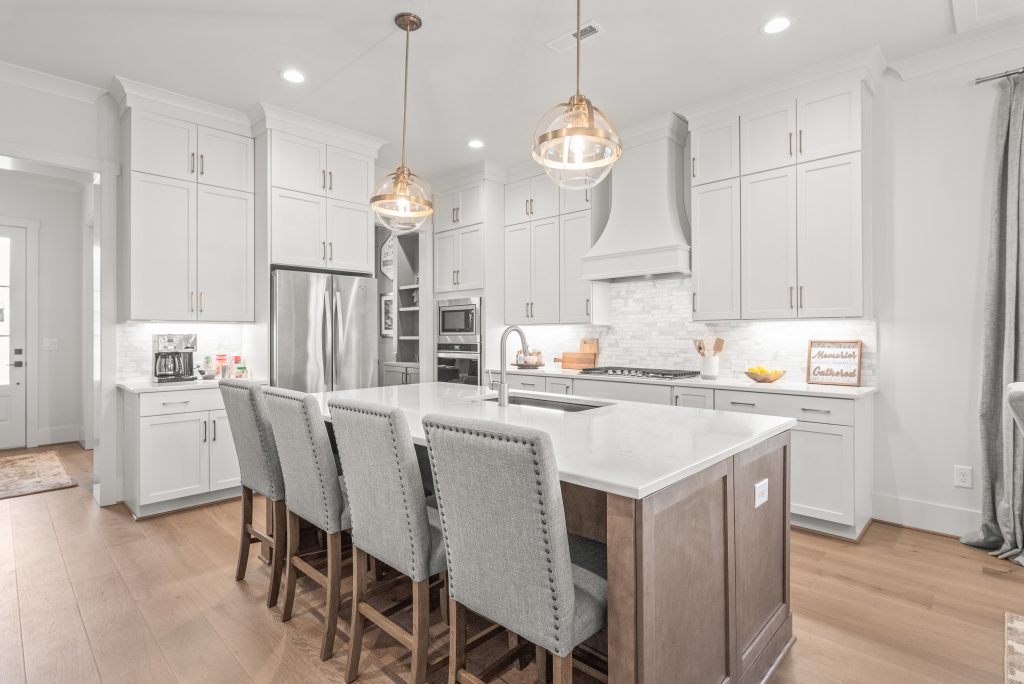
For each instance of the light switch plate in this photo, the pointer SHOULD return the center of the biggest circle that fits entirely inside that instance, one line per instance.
(50, 344)
(760, 493)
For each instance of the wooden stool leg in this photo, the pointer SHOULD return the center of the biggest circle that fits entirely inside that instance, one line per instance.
(246, 539)
(280, 551)
(355, 647)
(561, 669)
(541, 656)
(456, 641)
(333, 594)
(444, 598)
(290, 573)
(375, 569)
(420, 629)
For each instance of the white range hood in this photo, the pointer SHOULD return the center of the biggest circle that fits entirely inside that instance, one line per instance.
(644, 236)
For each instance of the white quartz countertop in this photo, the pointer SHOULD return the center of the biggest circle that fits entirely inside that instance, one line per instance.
(144, 385)
(623, 447)
(780, 386)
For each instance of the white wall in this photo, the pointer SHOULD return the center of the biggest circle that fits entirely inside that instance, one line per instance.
(57, 205)
(935, 196)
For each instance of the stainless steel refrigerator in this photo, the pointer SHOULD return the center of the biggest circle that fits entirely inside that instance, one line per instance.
(324, 331)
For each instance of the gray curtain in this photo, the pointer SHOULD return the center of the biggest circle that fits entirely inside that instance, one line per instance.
(1002, 466)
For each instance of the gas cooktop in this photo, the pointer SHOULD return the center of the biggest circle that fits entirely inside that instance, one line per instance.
(640, 372)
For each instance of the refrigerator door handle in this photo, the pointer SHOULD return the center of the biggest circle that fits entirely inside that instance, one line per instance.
(336, 334)
(325, 340)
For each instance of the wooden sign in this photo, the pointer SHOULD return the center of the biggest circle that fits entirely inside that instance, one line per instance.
(834, 362)
(387, 258)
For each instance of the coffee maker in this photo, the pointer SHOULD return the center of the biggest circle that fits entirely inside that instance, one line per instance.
(173, 358)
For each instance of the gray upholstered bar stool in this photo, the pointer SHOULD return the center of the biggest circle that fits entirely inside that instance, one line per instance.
(510, 556)
(314, 493)
(390, 521)
(261, 473)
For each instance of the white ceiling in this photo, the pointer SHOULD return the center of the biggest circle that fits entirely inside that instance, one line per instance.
(479, 69)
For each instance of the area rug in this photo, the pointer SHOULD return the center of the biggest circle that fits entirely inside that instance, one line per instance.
(31, 474)
(1014, 649)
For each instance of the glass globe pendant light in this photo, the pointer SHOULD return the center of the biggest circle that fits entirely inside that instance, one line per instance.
(402, 199)
(575, 142)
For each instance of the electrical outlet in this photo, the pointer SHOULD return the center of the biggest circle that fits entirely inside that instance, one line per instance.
(50, 344)
(760, 493)
(963, 476)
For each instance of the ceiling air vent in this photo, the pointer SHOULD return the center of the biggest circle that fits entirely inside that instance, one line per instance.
(567, 41)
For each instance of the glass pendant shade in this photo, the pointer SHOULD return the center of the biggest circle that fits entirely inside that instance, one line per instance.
(576, 144)
(401, 201)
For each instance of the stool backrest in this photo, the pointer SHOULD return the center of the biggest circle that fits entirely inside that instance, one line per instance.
(504, 526)
(254, 437)
(384, 486)
(312, 487)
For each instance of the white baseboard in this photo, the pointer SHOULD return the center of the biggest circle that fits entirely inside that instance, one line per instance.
(923, 515)
(58, 434)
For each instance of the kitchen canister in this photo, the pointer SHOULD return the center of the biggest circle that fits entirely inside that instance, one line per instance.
(709, 367)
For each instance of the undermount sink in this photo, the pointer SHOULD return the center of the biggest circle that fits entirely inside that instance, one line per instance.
(553, 404)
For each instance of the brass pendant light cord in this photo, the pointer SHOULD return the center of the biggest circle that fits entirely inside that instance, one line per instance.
(578, 2)
(405, 95)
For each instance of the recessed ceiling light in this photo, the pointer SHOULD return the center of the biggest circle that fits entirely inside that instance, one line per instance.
(475, 144)
(293, 76)
(776, 25)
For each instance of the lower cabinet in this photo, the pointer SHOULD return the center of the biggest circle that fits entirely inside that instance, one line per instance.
(174, 456)
(624, 391)
(224, 471)
(693, 397)
(534, 383)
(558, 386)
(399, 374)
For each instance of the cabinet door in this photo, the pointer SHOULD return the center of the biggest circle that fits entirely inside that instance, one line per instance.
(768, 215)
(163, 248)
(298, 233)
(517, 273)
(625, 391)
(693, 397)
(224, 470)
(163, 146)
(822, 472)
(412, 376)
(716, 251)
(767, 137)
(444, 210)
(469, 258)
(575, 291)
(531, 383)
(470, 210)
(225, 255)
(558, 386)
(574, 200)
(445, 250)
(349, 176)
(829, 121)
(174, 456)
(829, 238)
(298, 164)
(349, 236)
(226, 159)
(715, 151)
(517, 202)
(544, 197)
(545, 264)
(393, 376)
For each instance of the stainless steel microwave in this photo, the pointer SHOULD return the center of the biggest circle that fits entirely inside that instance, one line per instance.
(458, 320)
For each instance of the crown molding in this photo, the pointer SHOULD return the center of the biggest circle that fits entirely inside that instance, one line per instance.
(48, 83)
(481, 170)
(265, 116)
(960, 52)
(128, 93)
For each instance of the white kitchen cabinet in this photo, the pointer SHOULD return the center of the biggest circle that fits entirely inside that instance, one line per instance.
(349, 176)
(715, 151)
(162, 145)
(349, 235)
(174, 456)
(299, 235)
(829, 238)
(532, 267)
(396, 373)
(768, 136)
(624, 391)
(224, 470)
(716, 251)
(298, 164)
(459, 259)
(769, 246)
(693, 397)
(531, 199)
(225, 255)
(444, 210)
(558, 385)
(577, 294)
(532, 383)
(829, 119)
(822, 472)
(445, 247)
(518, 266)
(458, 208)
(162, 254)
(226, 160)
(574, 200)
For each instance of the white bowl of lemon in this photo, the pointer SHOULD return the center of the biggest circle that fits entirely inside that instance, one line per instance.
(762, 374)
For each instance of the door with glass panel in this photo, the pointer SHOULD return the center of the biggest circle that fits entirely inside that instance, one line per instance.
(12, 337)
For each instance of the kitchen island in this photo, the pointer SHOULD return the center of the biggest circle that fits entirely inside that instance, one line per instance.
(693, 506)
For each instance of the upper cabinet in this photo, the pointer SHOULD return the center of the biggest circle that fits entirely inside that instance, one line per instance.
(829, 120)
(575, 200)
(298, 164)
(716, 250)
(531, 199)
(225, 160)
(462, 206)
(459, 259)
(768, 136)
(715, 151)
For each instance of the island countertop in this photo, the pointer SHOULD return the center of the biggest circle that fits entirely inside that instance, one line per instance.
(627, 448)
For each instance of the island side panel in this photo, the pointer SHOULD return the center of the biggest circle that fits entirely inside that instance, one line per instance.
(622, 589)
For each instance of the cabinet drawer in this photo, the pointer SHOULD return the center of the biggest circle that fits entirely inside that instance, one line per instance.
(180, 401)
(559, 386)
(533, 383)
(693, 397)
(807, 409)
(624, 391)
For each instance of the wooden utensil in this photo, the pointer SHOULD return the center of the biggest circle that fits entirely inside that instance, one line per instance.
(588, 345)
(719, 345)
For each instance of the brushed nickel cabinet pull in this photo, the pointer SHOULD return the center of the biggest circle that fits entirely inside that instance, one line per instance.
(790, 296)
(813, 410)
(453, 276)
(694, 303)
(801, 298)
(586, 194)
(693, 167)
(458, 276)
(323, 178)
(330, 180)
(214, 422)
(323, 247)
(175, 403)
(331, 246)
(532, 212)
(202, 167)
(791, 143)
(527, 309)
(526, 207)
(458, 214)
(588, 306)
(192, 300)
(743, 403)
(205, 428)
(800, 144)
(202, 301)
(192, 163)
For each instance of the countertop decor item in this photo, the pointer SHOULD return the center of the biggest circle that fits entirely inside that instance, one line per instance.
(586, 357)
(709, 348)
(766, 376)
(834, 362)
(387, 315)
(575, 142)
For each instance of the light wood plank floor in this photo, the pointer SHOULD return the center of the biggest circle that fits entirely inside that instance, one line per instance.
(90, 595)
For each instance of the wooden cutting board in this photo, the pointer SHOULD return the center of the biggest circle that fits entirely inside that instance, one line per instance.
(588, 345)
(577, 360)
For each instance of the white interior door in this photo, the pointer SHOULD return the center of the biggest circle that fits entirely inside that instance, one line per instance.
(12, 336)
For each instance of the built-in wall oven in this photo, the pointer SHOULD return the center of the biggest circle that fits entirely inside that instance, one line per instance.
(459, 341)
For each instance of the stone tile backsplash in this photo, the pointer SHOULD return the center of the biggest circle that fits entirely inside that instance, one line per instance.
(652, 326)
(135, 343)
